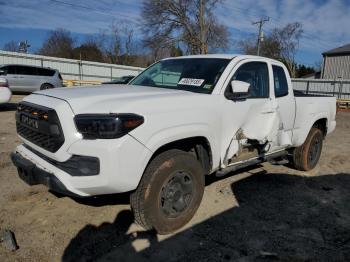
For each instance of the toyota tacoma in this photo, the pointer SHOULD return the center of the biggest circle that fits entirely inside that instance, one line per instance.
(160, 135)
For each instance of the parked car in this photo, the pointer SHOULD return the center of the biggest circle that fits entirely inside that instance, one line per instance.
(120, 80)
(159, 136)
(5, 92)
(24, 78)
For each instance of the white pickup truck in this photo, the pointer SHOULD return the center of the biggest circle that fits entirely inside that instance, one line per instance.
(159, 136)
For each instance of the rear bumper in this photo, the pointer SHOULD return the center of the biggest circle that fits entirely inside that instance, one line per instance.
(331, 127)
(33, 175)
(5, 95)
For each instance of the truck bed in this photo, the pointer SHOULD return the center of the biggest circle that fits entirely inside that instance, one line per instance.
(309, 109)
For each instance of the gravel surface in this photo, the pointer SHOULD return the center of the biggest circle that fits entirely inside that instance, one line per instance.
(266, 213)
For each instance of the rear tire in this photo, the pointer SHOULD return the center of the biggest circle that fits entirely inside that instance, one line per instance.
(307, 155)
(169, 192)
(46, 86)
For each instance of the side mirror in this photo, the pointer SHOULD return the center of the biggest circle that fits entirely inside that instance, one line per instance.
(239, 90)
(2, 73)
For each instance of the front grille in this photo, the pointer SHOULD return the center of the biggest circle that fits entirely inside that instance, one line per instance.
(39, 125)
(31, 108)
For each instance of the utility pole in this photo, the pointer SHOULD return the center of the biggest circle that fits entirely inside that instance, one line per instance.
(261, 23)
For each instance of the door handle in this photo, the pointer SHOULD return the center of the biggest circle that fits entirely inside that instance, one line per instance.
(268, 111)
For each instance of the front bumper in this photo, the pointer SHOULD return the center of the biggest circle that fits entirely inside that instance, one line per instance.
(33, 175)
(122, 162)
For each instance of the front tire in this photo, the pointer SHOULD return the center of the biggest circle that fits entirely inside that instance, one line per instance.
(307, 155)
(169, 192)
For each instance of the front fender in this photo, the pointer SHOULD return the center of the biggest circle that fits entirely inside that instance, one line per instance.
(171, 134)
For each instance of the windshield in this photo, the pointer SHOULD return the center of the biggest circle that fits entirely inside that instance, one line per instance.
(198, 75)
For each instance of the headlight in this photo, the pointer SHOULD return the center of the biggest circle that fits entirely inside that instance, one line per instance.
(109, 126)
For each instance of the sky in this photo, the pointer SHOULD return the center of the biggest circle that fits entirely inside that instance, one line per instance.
(325, 22)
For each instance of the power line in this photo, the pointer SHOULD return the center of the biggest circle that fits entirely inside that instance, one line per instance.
(320, 42)
(309, 36)
(103, 12)
(308, 39)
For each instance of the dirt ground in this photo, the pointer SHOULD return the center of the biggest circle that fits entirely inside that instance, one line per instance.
(265, 213)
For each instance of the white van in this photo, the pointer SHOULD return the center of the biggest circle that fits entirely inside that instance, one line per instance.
(26, 78)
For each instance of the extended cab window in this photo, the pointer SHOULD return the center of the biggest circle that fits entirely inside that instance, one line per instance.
(280, 81)
(198, 75)
(257, 75)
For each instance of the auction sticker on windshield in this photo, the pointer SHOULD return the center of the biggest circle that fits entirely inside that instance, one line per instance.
(191, 82)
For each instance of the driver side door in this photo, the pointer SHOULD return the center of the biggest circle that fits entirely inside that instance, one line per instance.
(253, 118)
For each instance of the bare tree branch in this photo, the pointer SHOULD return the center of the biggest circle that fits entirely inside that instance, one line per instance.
(11, 46)
(168, 23)
(59, 44)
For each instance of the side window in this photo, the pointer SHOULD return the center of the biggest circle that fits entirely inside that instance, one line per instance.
(26, 70)
(11, 70)
(4, 69)
(280, 81)
(41, 71)
(45, 72)
(257, 75)
(50, 72)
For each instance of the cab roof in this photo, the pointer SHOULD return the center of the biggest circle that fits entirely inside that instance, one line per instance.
(219, 56)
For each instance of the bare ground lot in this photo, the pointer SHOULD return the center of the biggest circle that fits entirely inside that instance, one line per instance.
(266, 213)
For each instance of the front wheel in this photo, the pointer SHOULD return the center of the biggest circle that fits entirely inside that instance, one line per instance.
(307, 155)
(169, 193)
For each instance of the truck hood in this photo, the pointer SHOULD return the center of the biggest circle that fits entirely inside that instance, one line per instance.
(113, 98)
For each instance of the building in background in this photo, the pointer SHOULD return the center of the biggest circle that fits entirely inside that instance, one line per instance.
(336, 63)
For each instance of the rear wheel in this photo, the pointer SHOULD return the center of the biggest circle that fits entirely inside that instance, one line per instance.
(307, 155)
(46, 86)
(169, 193)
